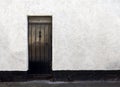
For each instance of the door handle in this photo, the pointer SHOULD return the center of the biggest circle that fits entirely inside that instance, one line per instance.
(39, 34)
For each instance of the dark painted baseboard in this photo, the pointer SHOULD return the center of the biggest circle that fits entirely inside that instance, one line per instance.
(86, 75)
(18, 76)
(6, 76)
(9, 76)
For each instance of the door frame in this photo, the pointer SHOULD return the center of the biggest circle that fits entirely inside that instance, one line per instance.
(50, 39)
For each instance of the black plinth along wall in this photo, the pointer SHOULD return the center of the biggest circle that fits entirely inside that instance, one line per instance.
(14, 76)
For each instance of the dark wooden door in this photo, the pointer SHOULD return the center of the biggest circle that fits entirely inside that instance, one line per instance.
(40, 44)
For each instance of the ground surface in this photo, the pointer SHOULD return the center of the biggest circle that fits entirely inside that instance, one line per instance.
(60, 84)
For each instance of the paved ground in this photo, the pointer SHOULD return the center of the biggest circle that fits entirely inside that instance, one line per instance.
(59, 84)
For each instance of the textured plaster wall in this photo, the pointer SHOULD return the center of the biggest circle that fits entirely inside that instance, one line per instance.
(86, 33)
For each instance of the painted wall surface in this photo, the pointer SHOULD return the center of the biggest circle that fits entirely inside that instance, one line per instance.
(86, 33)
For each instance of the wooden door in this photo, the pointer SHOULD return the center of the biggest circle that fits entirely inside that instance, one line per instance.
(40, 44)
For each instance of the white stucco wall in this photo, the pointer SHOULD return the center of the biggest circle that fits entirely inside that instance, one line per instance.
(86, 33)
